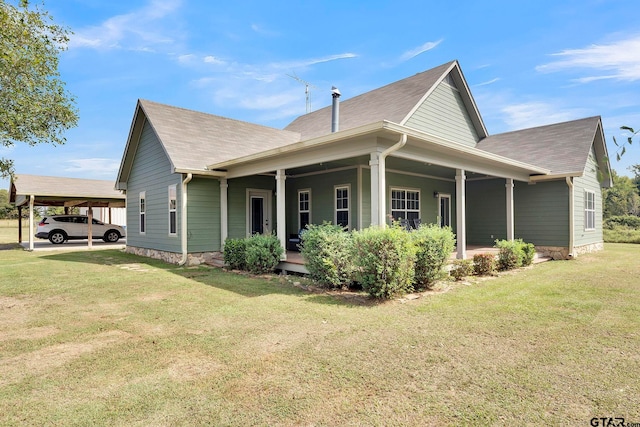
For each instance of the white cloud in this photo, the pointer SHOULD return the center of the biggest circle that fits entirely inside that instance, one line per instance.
(618, 60)
(93, 166)
(138, 30)
(537, 113)
(487, 82)
(210, 59)
(418, 50)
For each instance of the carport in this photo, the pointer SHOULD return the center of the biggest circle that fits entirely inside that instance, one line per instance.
(35, 190)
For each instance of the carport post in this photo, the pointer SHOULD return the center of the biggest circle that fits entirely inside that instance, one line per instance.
(19, 224)
(90, 226)
(31, 201)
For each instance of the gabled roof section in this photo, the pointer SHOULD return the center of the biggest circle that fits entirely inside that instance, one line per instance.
(393, 103)
(563, 148)
(192, 139)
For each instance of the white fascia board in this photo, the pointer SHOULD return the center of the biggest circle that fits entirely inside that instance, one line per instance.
(463, 150)
(302, 145)
(554, 177)
(315, 155)
(218, 174)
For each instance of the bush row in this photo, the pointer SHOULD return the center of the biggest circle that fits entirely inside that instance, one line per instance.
(622, 221)
(386, 261)
(257, 254)
(512, 254)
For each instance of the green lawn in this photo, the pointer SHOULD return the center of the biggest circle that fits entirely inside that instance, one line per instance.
(9, 230)
(102, 337)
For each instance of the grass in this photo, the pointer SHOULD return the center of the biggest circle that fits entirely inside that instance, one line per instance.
(9, 230)
(103, 337)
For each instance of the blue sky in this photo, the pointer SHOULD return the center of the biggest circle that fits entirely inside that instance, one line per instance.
(527, 63)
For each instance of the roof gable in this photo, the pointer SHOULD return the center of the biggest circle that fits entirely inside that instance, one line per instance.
(192, 139)
(394, 103)
(563, 148)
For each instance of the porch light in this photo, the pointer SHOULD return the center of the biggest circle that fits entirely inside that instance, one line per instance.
(436, 194)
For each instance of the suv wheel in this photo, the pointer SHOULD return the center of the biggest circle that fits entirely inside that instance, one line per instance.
(57, 237)
(111, 236)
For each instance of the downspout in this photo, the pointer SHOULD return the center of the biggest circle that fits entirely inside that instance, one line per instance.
(183, 223)
(571, 217)
(382, 178)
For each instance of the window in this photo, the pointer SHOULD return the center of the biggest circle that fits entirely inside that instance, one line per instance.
(172, 210)
(342, 205)
(589, 210)
(405, 204)
(143, 211)
(304, 208)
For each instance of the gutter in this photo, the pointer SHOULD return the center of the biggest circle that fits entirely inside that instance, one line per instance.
(571, 217)
(183, 223)
(382, 179)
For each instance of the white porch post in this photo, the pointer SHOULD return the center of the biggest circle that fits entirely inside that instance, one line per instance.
(510, 211)
(375, 202)
(461, 220)
(281, 211)
(224, 212)
(31, 201)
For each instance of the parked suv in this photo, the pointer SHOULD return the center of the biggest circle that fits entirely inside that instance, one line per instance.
(60, 228)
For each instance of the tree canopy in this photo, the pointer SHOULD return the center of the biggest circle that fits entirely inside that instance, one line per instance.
(35, 107)
(622, 198)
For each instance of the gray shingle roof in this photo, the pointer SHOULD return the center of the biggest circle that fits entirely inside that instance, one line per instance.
(391, 102)
(193, 139)
(65, 187)
(562, 148)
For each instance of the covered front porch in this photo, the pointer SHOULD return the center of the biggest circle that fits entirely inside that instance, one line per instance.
(373, 177)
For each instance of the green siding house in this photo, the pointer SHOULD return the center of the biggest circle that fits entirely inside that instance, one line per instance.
(416, 150)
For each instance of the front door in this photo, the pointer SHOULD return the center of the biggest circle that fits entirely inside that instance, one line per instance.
(259, 212)
(444, 210)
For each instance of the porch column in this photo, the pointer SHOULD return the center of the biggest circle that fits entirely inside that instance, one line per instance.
(510, 211)
(224, 212)
(461, 219)
(281, 211)
(31, 201)
(374, 162)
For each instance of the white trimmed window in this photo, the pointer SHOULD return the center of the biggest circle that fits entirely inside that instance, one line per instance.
(304, 208)
(173, 215)
(405, 204)
(342, 205)
(589, 210)
(143, 212)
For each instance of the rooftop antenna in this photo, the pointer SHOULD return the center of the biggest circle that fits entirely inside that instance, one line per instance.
(307, 85)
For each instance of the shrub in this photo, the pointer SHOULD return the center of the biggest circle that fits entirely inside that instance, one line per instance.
(235, 254)
(385, 259)
(529, 253)
(433, 248)
(484, 264)
(514, 253)
(263, 253)
(461, 268)
(326, 249)
(625, 221)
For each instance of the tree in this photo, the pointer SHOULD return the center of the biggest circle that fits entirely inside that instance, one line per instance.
(34, 105)
(622, 198)
(622, 147)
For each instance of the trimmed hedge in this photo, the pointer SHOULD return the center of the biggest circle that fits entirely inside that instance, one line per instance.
(625, 221)
(514, 253)
(385, 259)
(235, 254)
(461, 268)
(327, 250)
(484, 264)
(263, 253)
(434, 245)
